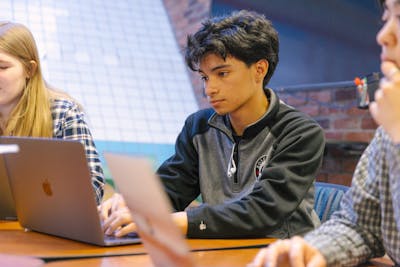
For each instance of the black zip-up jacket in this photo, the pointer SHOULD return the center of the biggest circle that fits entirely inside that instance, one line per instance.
(258, 185)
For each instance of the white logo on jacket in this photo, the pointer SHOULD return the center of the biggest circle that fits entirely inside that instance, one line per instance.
(259, 166)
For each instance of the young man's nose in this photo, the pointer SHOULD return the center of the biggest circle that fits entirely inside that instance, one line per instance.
(210, 88)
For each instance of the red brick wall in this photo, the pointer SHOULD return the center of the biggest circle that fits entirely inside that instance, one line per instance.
(347, 128)
(335, 109)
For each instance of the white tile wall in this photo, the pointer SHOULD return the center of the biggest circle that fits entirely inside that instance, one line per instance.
(118, 58)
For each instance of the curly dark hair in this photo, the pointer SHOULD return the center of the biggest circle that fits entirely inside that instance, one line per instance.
(245, 35)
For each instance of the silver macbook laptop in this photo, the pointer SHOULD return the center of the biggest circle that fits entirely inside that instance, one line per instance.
(151, 210)
(51, 185)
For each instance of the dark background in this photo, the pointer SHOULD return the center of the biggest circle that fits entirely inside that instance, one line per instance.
(321, 41)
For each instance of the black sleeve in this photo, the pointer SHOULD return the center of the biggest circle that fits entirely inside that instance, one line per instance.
(179, 173)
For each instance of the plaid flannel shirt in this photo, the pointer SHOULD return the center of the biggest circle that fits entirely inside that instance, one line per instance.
(69, 123)
(368, 222)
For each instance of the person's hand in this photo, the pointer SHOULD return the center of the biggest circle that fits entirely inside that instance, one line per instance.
(293, 252)
(386, 107)
(110, 205)
(116, 217)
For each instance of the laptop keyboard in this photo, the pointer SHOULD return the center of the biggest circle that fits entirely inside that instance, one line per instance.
(123, 239)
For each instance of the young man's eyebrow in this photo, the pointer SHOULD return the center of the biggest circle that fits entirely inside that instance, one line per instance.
(216, 68)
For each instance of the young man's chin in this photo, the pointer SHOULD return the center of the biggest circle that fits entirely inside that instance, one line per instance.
(220, 112)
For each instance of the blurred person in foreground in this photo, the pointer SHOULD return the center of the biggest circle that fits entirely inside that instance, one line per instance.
(368, 222)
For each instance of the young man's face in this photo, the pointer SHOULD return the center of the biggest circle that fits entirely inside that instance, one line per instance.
(389, 35)
(230, 85)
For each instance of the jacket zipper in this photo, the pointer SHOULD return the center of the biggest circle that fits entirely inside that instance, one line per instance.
(236, 161)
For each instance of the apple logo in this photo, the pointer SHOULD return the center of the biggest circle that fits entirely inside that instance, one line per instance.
(47, 188)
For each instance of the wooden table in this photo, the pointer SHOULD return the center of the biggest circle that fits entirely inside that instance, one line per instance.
(15, 241)
(215, 258)
(29, 249)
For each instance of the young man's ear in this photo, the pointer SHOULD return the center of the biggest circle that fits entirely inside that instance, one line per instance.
(261, 69)
(32, 68)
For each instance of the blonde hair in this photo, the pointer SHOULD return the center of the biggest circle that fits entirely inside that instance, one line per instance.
(32, 114)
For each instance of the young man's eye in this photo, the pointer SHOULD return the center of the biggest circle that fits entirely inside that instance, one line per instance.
(203, 78)
(223, 73)
(3, 67)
